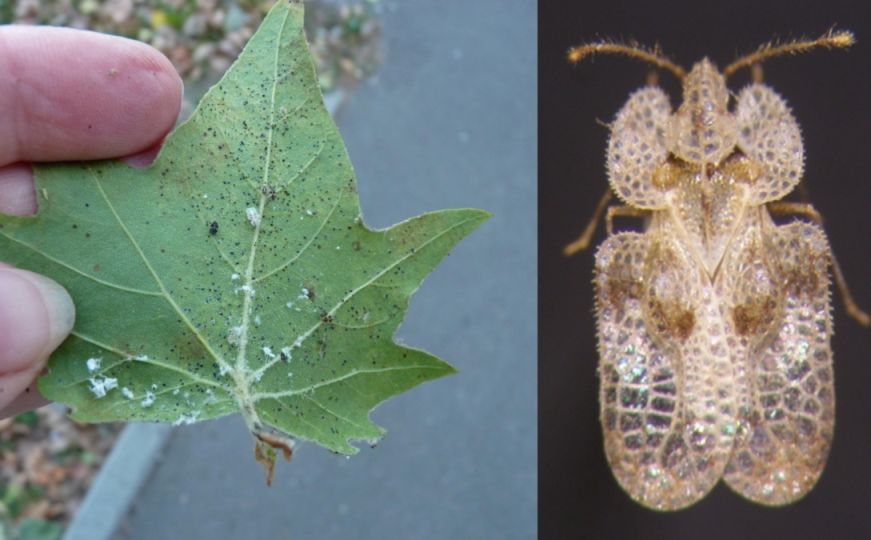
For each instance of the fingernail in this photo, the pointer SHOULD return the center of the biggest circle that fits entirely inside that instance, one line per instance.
(36, 315)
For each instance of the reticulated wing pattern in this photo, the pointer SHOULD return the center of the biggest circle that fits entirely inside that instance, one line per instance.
(786, 428)
(666, 435)
(770, 135)
(637, 146)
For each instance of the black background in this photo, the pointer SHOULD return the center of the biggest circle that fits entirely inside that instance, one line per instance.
(830, 94)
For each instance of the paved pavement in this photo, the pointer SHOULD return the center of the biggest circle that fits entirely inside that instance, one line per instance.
(450, 122)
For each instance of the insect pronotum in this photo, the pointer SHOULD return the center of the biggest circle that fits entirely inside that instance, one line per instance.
(714, 323)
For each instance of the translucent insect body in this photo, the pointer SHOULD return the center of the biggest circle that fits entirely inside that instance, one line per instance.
(714, 323)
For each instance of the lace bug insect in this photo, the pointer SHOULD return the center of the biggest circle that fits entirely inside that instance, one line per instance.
(714, 323)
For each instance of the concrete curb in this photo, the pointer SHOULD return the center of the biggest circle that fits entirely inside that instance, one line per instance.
(115, 488)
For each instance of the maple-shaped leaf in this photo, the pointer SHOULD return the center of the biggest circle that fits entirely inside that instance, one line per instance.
(235, 274)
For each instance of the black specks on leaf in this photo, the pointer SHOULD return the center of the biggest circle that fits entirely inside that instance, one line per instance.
(213, 228)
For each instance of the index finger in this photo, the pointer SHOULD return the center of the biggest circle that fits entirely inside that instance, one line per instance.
(77, 95)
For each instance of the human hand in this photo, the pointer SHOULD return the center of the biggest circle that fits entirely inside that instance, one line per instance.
(65, 95)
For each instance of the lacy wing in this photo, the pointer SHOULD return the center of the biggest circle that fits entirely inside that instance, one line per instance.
(786, 425)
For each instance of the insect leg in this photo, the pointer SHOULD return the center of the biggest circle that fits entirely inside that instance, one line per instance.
(809, 212)
(583, 241)
(802, 209)
(586, 237)
(853, 309)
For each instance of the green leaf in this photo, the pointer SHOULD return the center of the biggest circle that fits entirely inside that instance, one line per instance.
(235, 274)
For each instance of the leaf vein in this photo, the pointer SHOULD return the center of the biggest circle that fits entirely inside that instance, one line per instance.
(157, 279)
(129, 358)
(301, 418)
(353, 373)
(334, 413)
(303, 249)
(81, 272)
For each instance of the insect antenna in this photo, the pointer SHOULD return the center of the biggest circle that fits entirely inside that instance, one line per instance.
(830, 40)
(633, 50)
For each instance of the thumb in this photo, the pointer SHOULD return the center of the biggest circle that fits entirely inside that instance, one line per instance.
(36, 314)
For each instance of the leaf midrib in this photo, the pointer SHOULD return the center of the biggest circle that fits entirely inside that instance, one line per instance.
(241, 375)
